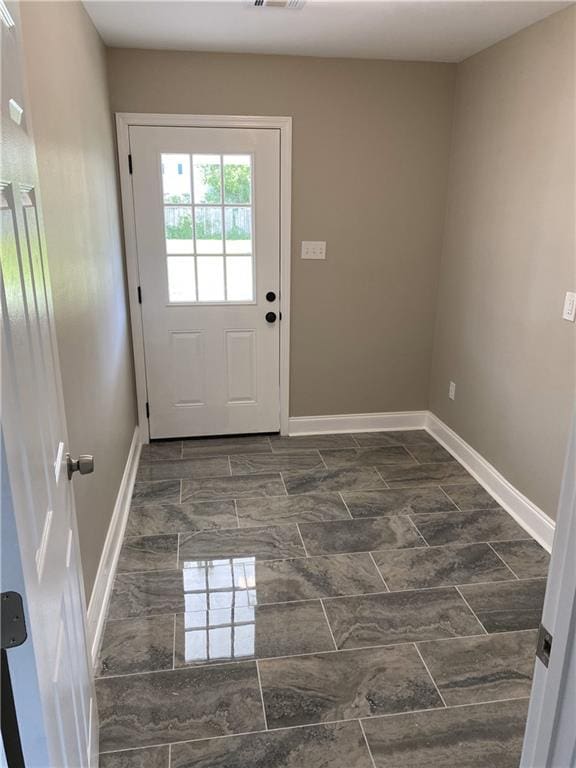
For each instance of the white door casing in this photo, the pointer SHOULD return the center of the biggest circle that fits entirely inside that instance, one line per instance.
(237, 331)
(35, 437)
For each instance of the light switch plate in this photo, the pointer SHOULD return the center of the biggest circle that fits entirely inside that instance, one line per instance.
(569, 311)
(313, 249)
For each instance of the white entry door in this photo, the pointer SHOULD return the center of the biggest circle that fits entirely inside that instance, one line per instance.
(41, 502)
(206, 206)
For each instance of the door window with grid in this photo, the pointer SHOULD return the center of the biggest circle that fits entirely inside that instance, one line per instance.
(208, 224)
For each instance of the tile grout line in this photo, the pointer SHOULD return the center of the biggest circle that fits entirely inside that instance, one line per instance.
(262, 696)
(450, 499)
(504, 561)
(237, 518)
(386, 486)
(409, 452)
(236, 662)
(346, 505)
(430, 675)
(337, 554)
(367, 744)
(352, 594)
(169, 756)
(229, 465)
(319, 522)
(311, 725)
(302, 539)
(451, 706)
(419, 532)
(284, 483)
(329, 627)
(181, 488)
(379, 571)
(174, 642)
(471, 609)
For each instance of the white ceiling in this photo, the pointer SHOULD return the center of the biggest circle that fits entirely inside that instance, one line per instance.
(429, 30)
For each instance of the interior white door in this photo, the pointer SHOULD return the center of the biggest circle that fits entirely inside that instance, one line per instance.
(35, 439)
(206, 205)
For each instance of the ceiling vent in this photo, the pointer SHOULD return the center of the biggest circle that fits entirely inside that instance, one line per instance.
(294, 4)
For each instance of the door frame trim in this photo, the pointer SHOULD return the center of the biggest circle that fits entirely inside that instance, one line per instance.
(124, 120)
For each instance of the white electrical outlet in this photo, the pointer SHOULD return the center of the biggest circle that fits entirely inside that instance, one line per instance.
(452, 391)
(569, 311)
(313, 249)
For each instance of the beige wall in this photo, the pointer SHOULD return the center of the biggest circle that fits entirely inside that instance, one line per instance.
(509, 257)
(371, 144)
(65, 63)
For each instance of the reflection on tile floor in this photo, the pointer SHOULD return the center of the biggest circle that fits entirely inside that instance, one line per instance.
(339, 600)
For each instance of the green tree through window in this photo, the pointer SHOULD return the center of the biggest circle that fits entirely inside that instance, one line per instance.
(236, 183)
(237, 180)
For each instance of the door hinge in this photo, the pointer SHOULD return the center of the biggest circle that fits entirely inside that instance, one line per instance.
(544, 645)
(147, 411)
(129, 163)
(139, 295)
(12, 620)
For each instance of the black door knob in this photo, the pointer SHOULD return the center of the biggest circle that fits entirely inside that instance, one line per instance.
(270, 317)
(270, 296)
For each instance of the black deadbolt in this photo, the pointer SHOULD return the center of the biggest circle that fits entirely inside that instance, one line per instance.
(270, 317)
(270, 296)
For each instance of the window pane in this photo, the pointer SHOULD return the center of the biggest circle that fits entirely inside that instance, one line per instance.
(208, 230)
(238, 223)
(244, 575)
(220, 643)
(239, 283)
(195, 646)
(220, 577)
(207, 179)
(219, 618)
(194, 619)
(176, 178)
(221, 599)
(244, 640)
(237, 179)
(210, 278)
(194, 577)
(181, 278)
(178, 227)
(195, 601)
(244, 615)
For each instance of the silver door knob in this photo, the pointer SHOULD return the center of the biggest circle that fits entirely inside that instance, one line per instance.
(83, 464)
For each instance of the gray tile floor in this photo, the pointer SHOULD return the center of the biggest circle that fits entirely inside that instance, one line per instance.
(352, 601)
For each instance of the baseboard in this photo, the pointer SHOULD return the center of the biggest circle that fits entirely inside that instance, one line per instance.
(357, 422)
(103, 583)
(528, 515)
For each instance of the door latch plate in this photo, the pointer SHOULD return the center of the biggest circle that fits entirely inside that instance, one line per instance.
(544, 645)
(12, 620)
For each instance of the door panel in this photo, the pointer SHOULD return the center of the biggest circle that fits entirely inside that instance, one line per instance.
(206, 204)
(241, 371)
(188, 367)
